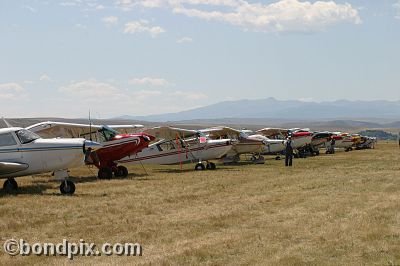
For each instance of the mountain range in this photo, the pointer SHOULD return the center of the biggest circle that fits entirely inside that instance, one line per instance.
(290, 110)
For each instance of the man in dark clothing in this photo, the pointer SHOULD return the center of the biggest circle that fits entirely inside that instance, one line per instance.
(289, 151)
(333, 142)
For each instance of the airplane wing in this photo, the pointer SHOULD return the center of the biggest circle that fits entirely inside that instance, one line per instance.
(217, 132)
(9, 168)
(51, 129)
(170, 133)
(270, 132)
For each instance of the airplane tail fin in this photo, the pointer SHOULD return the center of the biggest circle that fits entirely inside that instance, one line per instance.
(6, 122)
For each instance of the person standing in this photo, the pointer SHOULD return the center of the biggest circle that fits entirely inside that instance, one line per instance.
(289, 151)
(333, 142)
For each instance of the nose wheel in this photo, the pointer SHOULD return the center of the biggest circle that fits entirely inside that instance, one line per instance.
(67, 187)
(201, 166)
(10, 186)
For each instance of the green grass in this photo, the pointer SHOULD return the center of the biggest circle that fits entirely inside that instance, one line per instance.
(328, 210)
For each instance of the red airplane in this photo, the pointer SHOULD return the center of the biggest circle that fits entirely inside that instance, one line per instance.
(115, 146)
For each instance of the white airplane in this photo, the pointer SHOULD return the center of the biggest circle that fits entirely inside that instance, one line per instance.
(23, 152)
(177, 146)
(342, 141)
(244, 145)
(300, 137)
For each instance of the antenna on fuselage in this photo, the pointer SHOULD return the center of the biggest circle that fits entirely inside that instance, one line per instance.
(90, 127)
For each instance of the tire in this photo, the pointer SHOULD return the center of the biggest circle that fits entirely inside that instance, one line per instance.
(211, 166)
(199, 166)
(105, 173)
(122, 171)
(10, 186)
(67, 187)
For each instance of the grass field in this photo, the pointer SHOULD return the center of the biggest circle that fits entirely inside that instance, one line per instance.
(341, 209)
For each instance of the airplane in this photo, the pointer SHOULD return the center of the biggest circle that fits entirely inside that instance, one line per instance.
(23, 153)
(342, 141)
(115, 145)
(319, 140)
(244, 145)
(176, 146)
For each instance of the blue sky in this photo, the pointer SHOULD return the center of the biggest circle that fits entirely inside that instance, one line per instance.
(138, 57)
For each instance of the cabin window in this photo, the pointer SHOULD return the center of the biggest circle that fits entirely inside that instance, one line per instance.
(7, 140)
(166, 146)
(26, 136)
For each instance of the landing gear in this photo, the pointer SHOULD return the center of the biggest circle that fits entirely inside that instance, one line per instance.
(257, 159)
(105, 173)
(10, 186)
(199, 166)
(121, 171)
(211, 166)
(67, 187)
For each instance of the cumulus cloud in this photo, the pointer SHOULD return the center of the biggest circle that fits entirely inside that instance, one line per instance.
(150, 81)
(280, 16)
(184, 40)
(189, 95)
(143, 26)
(397, 8)
(92, 91)
(11, 91)
(110, 21)
(44, 77)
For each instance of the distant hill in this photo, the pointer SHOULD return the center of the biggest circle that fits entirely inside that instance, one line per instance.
(379, 134)
(287, 110)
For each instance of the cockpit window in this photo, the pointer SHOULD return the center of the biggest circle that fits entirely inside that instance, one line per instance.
(26, 136)
(7, 139)
(108, 133)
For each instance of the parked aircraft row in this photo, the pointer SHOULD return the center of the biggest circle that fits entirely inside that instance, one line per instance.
(58, 146)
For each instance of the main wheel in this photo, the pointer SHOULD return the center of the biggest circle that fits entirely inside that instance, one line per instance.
(10, 186)
(67, 187)
(199, 166)
(105, 173)
(122, 171)
(211, 166)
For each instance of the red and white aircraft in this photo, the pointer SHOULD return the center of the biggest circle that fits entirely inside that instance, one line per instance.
(115, 145)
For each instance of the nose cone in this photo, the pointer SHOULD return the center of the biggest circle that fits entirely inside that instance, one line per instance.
(92, 145)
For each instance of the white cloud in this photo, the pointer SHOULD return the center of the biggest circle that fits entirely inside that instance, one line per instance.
(143, 26)
(100, 7)
(397, 8)
(160, 82)
(44, 77)
(33, 10)
(92, 91)
(12, 91)
(110, 21)
(190, 95)
(280, 16)
(81, 26)
(184, 40)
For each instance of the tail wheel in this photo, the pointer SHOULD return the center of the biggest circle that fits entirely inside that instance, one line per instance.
(122, 171)
(67, 187)
(105, 173)
(10, 186)
(199, 166)
(211, 166)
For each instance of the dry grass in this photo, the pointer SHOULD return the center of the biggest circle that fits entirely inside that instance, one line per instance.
(329, 210)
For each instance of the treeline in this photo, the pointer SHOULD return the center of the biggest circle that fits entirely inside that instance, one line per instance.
(379, 134)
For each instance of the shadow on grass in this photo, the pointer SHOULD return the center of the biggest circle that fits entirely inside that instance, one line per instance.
(37, 189)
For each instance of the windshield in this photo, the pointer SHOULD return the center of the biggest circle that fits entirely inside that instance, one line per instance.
(26, 136)
(108, 133)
